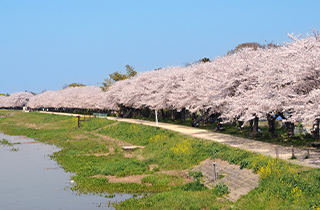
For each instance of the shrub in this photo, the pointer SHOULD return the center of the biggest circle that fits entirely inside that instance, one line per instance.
(195, 174)
(220, 189)
(244, 163)
(194, 186)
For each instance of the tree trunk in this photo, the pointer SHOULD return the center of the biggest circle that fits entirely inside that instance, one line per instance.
(140, 113)
(178, 115)
(240, 124)
(290, 129)
(255, 127)
(251, 125)
(271, 123)
(315, 130)
(193, 116)
(172, 115)
(163, 114)
(146, 112)
(255, 124)
(134, 112)
(121, 111)
(234, 122)
(128, 113)
(183, 114)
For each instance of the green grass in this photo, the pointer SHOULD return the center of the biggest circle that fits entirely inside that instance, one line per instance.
(168, 149)
(162, 180)
(178, 199)
(220, 189)
(282, 185)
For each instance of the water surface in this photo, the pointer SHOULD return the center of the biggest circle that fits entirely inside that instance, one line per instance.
(29, 179)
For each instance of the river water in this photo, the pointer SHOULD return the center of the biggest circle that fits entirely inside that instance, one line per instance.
(29, 179)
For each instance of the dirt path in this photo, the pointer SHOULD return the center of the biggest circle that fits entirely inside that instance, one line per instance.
(264, 148)
(247, 144)
(137, 178)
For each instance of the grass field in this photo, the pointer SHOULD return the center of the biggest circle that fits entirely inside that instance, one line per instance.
(94, 153)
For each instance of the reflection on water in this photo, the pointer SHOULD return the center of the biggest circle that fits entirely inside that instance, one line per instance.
(29, 179)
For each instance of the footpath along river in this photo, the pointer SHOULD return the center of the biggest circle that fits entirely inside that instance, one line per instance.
(29, 179)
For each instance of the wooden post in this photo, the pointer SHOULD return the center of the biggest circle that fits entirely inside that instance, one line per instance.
(78, 121)
(277, 152)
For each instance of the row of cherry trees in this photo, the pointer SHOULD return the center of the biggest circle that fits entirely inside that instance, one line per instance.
(247, 85)
(15, 100)
(250, 84)
(84, 97)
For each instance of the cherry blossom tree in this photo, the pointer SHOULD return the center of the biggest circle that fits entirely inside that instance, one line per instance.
(85, 97)
(15, 100)
(277, 80)
(3, 101)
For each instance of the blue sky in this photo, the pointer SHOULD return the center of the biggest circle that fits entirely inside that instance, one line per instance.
(47, 44)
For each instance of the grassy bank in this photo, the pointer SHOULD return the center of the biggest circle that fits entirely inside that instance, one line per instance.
(94, 153)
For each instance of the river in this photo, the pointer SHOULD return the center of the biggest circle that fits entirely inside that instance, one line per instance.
(29, 179)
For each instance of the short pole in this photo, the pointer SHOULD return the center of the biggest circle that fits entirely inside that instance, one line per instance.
(215, 173)
(156, 113)
(308, 154)
(293, 157)
(78, 121)
(277, 152)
